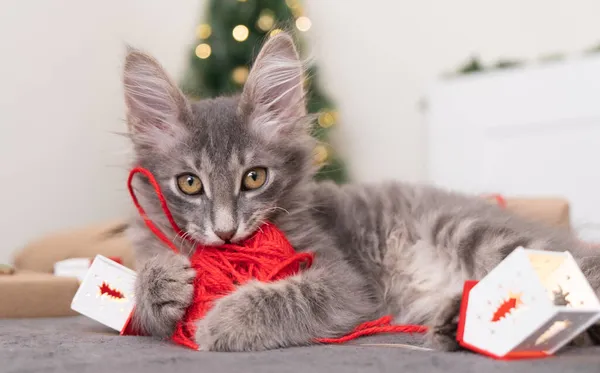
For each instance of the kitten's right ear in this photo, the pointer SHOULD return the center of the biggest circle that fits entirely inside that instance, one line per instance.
(273, 96)
(156, 107)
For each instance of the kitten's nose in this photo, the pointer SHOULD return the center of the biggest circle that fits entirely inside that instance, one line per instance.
(225, 235)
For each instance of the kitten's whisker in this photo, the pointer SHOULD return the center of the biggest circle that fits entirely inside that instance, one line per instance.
(183, 238)
(255, 222)
(276, 208)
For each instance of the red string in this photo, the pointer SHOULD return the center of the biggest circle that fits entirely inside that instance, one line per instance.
(381, 325)
(265, 256)
(163, 203)
(500, 200)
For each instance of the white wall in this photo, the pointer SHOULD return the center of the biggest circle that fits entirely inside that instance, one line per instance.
(379, 56)
(60, 98)
(525, 132)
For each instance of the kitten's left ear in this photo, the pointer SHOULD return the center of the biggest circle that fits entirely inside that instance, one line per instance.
(156, 108)
(273, 96)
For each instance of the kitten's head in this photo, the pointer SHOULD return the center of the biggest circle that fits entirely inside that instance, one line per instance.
(227, 164)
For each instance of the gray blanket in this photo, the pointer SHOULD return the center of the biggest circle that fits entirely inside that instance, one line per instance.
(77, 344)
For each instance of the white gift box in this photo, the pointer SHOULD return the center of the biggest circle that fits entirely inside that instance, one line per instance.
(106, 293)
(74, 267)
(530, 305)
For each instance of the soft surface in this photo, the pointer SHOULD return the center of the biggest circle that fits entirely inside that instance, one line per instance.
(77, 344)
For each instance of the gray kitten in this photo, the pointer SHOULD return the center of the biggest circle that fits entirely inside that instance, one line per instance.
(229, 164)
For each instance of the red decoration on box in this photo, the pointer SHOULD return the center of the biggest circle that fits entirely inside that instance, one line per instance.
(505, 308)
(105, 289)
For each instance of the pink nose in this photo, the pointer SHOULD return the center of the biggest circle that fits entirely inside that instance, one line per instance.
(225, 235)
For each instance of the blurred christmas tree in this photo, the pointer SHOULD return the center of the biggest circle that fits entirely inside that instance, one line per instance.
(228, 42)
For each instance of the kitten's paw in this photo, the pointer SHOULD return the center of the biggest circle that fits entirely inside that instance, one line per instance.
(164, 291)
(442, 333)
(239, 322)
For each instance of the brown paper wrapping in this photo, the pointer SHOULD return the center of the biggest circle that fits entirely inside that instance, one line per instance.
(552, 211)
(32, 294)
(106, 239)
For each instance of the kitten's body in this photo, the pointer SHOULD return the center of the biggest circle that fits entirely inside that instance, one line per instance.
(414, 242)
(389, 249)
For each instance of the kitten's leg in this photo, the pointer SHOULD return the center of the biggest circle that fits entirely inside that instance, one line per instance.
(442, 331)
(327, 300)
(163, 292)
(163, 288)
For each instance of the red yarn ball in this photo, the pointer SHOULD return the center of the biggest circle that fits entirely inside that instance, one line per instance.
(266, 256)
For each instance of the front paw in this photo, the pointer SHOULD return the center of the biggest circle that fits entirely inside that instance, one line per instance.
(164, 290)
(442, 333)
(241, 322)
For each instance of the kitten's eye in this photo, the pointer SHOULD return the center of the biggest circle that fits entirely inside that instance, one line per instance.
(189, 184)
(254, 178)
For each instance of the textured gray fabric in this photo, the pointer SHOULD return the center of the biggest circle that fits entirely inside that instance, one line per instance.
(77, 344)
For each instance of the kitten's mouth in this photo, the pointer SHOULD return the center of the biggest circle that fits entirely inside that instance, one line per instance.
(196, 234)
(239, 236)
(218, 242)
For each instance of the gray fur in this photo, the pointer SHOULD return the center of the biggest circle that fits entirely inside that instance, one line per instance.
(395, 248)
(163, 291)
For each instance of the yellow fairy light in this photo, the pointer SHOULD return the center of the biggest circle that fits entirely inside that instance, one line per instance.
(326, 119)
(297, 11)
(203, 31)
(303, 23)
(240, 74)
(242, 1)
(240, 32)
(203, 51)
(295, 7)
(320, 154)
(266, 20)
(292, 4)
(275, 31)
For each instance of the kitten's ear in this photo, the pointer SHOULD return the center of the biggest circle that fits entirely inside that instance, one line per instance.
(156, 108)
(273, 96)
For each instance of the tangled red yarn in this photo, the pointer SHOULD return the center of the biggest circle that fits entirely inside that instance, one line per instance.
(265, 256)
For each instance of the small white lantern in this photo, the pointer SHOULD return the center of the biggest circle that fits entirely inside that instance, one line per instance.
(106, 293)
(530, 305)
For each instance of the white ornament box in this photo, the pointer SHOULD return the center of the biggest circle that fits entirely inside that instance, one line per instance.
(106, 293)
(530, 305)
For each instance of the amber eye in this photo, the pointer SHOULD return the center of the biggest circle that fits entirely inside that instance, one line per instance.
(254, 178)
(189, 184)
